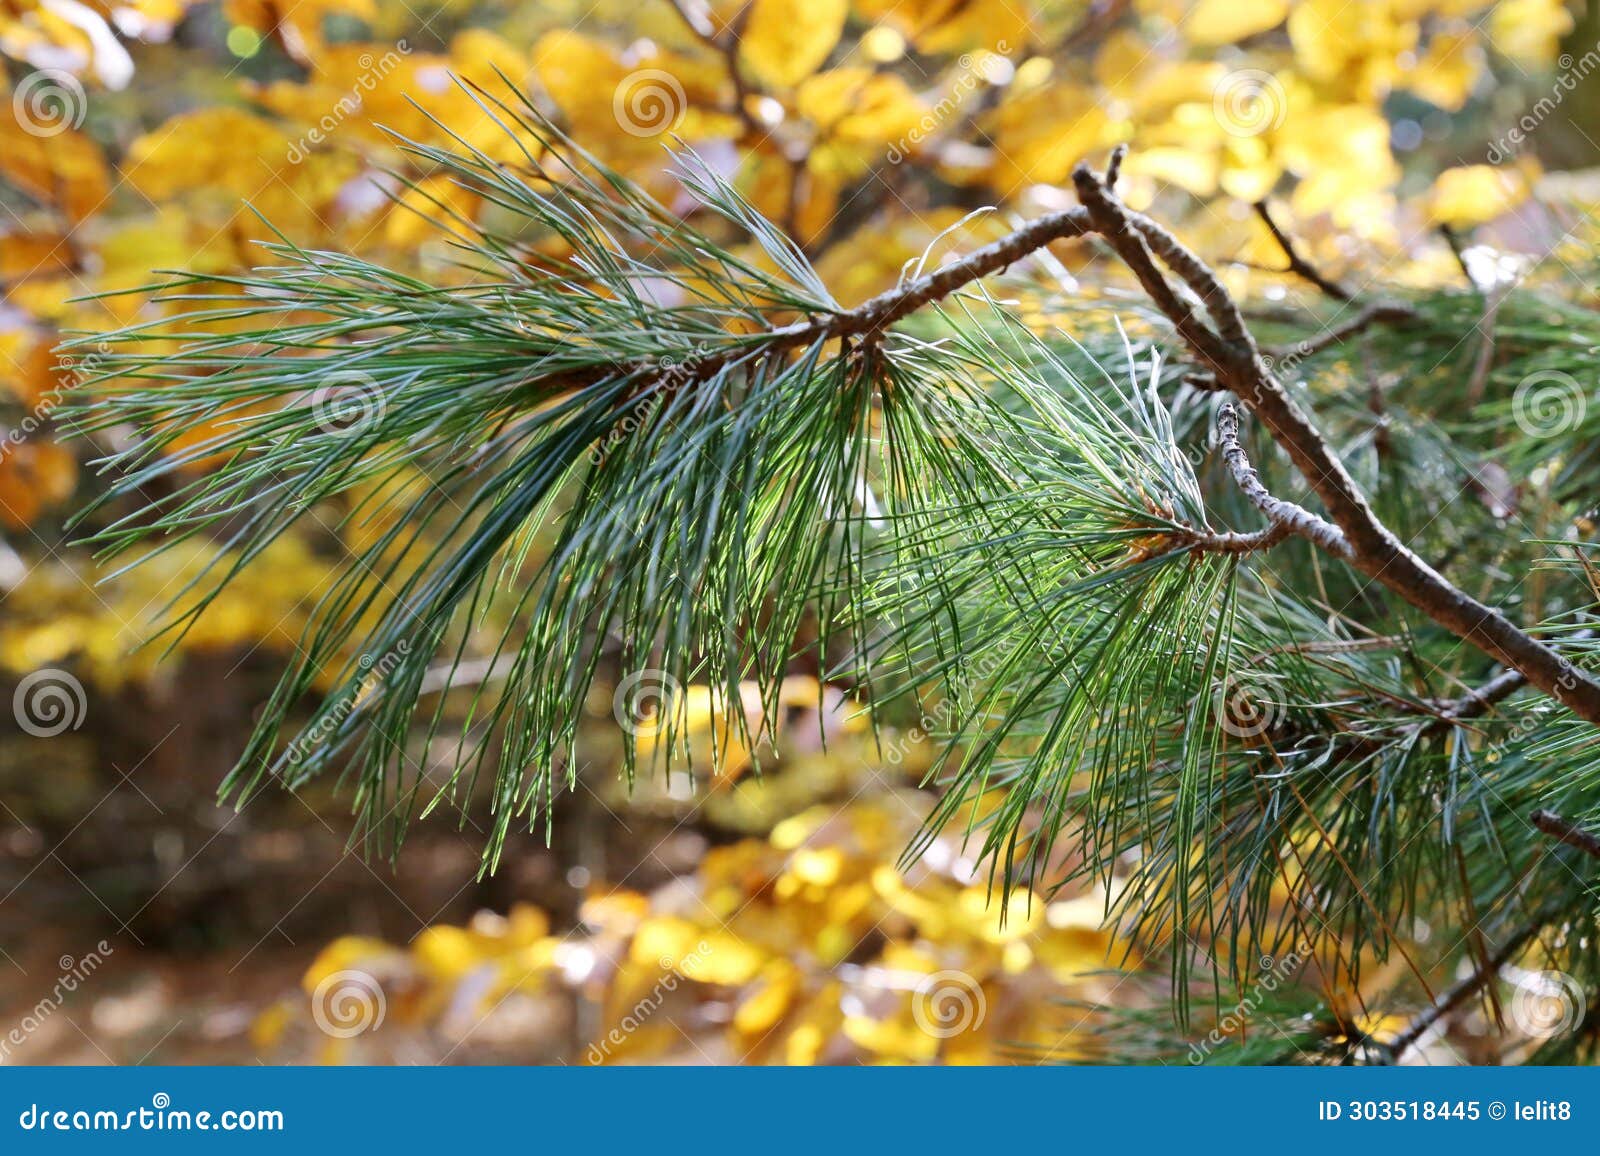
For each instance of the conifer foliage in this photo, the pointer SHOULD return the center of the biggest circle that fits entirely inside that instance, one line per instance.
(1223, 623)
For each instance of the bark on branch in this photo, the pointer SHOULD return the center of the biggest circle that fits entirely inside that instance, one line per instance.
(1294, 519)
(1567, 832)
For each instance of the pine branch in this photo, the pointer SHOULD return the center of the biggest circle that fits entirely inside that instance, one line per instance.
(866, 322)
(1232, 355)
(1480, 700)
(693, 473)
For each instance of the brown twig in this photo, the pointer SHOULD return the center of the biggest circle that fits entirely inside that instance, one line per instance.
(1298, 265)
(1566, 832)
(1292, 518)
(1230, 541)
(868, 320)
(1114, 167)
(1378, 312)
(726, 43)
(1477, 702)
(1483, 362)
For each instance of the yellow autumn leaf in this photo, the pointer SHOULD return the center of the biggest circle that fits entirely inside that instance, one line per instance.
(1164, 86)
(344, 954)
(223, 152)
(1340, 151)
(814, 1025)
(298, 27)
(1355, 47)
(804, 199)
(1194, 172)
(34, 477)
(725, 959)
(269, 1025)
(1214, 22)
(581, 75)
(1250, 168)
(785, 41)
(28, 367)
(1529, 31)
(769, 1000)
(34, 255)
(948, 26)
(979, 911)
(858, 105)
(900, 1038)
(1119, 67)
(664, 941)
(61, 167)
(1448, 71)
(1472, 194)
(1039, 136)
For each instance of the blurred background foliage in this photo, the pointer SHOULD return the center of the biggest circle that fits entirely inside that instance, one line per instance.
(754, 918)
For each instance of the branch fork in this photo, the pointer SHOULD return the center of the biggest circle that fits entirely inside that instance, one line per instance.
(1230, 361)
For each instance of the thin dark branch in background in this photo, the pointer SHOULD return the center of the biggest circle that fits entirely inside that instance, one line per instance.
(1096, 24)
(1380, 312)
(1477, 702)
(1298, 265)
(698, 20)
(1453, 997)
(1458, 250)
(1483, 362)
